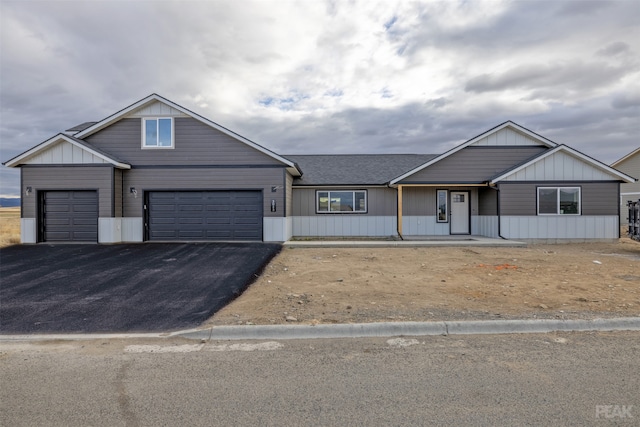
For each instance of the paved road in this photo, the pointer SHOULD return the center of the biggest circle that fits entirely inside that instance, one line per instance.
(122, 288)
(491, 380)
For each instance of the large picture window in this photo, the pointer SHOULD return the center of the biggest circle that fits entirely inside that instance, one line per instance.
(157, 133)
(442, 207)
(341, 201)
(558, 200)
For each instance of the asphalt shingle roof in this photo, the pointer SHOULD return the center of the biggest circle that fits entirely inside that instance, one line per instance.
(354, 169)
(81, 127)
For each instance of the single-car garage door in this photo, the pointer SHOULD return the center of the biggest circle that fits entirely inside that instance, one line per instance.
(69, 216)
(204, 215)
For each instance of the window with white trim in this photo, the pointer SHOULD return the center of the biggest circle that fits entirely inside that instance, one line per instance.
(442, 207)
(157, 132)
(559, 200)
(343, 201)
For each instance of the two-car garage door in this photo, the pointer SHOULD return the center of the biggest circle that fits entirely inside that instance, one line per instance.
(72, 216)
(204, 215)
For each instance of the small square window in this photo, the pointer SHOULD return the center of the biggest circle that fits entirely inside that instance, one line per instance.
(157, 133)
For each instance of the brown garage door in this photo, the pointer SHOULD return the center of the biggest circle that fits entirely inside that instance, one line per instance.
(69, 216)
(204, 215)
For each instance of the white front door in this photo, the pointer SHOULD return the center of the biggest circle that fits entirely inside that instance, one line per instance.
(460, 212)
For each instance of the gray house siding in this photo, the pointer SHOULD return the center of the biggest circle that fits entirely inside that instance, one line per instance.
(630, 166)
(419, 201)
(195, 144)
(157, 179)
(380, 201)
(45, 178)
(380, 219)
(474, 164)
(117, 193)
(288, 191)
(487, 201)
(422, 200)
(520, 199)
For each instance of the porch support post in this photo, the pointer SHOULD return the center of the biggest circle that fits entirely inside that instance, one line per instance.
(400, 210)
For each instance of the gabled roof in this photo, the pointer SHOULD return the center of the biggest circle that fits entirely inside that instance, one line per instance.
(540, 139)
(24, 157)
(293, 169)
(631, 154)
(559, 149)
(354, 169)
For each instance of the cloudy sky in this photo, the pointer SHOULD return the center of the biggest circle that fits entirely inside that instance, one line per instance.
(334, 76)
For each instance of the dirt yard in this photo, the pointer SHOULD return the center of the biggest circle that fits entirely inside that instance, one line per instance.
(325, 285)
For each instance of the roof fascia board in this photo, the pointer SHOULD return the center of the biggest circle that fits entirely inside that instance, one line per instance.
(636, 151)
(454, 150)
(570, 151)
(40, 147)
(155, 97)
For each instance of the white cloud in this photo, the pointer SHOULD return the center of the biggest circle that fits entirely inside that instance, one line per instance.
(369, 76)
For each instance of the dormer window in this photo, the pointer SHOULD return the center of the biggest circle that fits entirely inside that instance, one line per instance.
(157, 132)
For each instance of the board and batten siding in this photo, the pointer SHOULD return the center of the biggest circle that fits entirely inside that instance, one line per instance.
(560, 228)
(42, 178)
(176, 179)
(195, 144)
(559, 166)
(380, 201)
(157, 109)
(520, 199)
(474, 164)
(507, 136)
(64, 153)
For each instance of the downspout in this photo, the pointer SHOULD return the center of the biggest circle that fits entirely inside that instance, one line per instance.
(498, 207)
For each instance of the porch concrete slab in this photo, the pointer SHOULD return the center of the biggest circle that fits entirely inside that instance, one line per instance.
(408, 242)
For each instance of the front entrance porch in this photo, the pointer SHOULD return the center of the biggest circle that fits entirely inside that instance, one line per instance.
(426, 210)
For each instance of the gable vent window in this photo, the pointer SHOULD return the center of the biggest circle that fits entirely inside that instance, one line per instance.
(157, 133)
(341, 201)
(558, 200)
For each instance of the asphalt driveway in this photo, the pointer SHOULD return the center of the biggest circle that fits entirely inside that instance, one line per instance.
(122, 288)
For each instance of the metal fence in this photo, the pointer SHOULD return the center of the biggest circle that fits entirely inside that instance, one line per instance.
(634, 219)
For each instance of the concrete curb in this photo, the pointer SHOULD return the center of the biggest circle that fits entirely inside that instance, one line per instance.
(362, 330)
(390, 329)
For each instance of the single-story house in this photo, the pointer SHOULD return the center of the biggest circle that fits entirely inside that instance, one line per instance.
(629, 164)
(155, 171)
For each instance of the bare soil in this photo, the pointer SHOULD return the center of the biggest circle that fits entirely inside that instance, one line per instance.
(339, 285)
